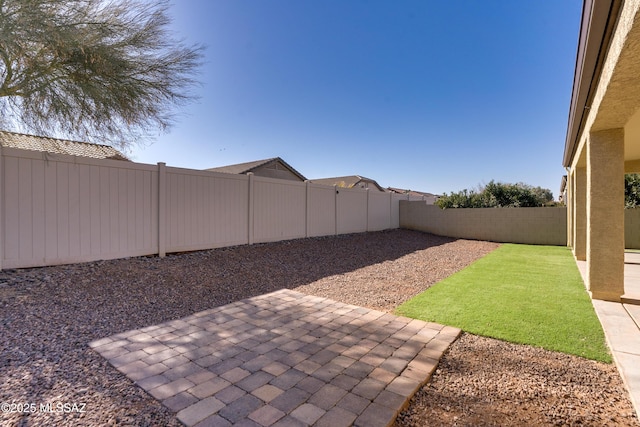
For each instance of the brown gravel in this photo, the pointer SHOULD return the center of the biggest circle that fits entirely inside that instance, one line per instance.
(486, 382)
(49, 315)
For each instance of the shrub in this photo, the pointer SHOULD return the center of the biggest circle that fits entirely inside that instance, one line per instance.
(498, 195)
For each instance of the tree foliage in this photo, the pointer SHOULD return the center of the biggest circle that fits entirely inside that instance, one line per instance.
(90, 69)
(497, 194)
(632, 190)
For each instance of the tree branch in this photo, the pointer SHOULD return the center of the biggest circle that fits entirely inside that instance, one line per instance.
(103, 70)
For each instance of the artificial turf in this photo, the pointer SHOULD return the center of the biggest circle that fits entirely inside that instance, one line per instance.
(519, 293)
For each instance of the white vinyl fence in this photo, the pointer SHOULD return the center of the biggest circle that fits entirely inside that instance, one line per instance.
(58, 209)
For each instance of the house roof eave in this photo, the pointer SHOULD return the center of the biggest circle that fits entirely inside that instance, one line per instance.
(243, 168)
(599, 19)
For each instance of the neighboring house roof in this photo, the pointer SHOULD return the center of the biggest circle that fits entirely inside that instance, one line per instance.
(348, 181)
(411, 192)
(244, 168)
(59, 146)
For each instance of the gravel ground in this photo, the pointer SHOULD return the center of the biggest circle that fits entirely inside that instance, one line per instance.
(486, 382)
(49, 315)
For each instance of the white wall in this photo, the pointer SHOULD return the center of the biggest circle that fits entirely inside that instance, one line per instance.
(57, 209)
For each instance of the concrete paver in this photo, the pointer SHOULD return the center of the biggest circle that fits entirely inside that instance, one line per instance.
(282, 359)
(621, 327)
(631, 277)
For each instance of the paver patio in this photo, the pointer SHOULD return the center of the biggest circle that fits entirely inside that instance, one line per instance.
(282, 359)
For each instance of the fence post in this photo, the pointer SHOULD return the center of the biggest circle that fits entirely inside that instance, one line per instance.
(250, 216)
(367, 209)
(307, 220)
(162, 209)
(391, 210)
(335, 195)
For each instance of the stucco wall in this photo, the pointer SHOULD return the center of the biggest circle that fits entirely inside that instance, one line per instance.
(632, 228)
(539, 226)
(276, 171)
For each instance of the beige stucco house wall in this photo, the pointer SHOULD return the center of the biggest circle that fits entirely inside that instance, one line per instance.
(603, 140)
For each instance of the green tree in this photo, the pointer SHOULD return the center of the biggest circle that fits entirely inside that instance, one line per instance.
(543, 194)
(497, 194)
(632, 190)
(90, 69)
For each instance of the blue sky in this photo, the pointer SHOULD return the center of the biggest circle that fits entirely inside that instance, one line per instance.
(433, 96)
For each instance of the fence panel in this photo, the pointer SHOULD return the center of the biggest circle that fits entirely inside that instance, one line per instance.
(61, 209)
(205, 209)
(351, 210)
(321, 211)
(279, 209)
(379, 211)
(57, 209)
(395, 209)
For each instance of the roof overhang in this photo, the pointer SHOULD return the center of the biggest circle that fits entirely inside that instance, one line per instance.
(286, 165)
(599, 19)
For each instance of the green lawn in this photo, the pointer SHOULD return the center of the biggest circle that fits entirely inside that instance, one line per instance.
(519, 293)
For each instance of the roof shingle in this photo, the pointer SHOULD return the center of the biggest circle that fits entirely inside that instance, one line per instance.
(59, 146)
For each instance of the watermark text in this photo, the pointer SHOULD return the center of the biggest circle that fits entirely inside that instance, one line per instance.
(48, 407)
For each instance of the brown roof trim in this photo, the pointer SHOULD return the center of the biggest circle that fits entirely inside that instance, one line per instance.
(240, 168)
(599, 19)
(288, 166)
(244, 168)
